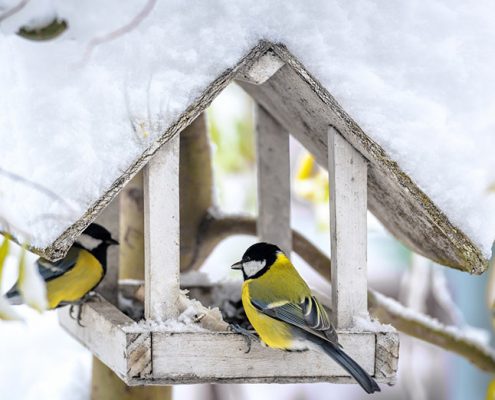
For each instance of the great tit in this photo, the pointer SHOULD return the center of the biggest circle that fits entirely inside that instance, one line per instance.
(70, 279)
(284, 313)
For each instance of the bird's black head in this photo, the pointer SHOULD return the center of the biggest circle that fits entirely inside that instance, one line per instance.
(98, 232)
(257, 259)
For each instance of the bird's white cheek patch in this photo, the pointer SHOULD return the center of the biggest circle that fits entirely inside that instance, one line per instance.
(253, 267)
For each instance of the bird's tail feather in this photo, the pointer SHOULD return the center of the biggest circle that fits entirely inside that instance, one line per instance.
(351, 366)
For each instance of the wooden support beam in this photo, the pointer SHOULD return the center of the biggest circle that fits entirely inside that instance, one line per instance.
(162, 232)
(348, 230)
(131, 260)
(273, 160)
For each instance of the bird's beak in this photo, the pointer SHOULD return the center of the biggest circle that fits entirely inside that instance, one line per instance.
(112, 241)
(237, 265)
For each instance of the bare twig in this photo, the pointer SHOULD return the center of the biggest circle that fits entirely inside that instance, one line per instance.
(36, 186)
(426, 328)
(107, 37)
(13, 10)
(217, 227)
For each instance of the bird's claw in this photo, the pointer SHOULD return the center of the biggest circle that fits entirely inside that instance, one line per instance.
(246, 334)
(89, 297)
(78, 316)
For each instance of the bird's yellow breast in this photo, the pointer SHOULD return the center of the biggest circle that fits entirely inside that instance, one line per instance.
(281, 283)
(274, 333)
(75, 283)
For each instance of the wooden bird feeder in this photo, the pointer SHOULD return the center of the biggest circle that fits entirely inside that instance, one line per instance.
(361, 176)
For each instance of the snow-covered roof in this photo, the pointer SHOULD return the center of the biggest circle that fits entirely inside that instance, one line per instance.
(409, 84)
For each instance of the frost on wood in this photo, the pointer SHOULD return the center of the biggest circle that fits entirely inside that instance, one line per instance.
(150, 81)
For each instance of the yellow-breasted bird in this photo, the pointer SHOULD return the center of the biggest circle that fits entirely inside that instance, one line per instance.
(284, 313)
(70, 279)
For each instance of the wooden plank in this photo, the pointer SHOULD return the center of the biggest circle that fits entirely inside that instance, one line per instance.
(101, 332)
(221, 357)
(348, 230)
(109, 218)
(305, 108)
(162, 232)
(273, 161)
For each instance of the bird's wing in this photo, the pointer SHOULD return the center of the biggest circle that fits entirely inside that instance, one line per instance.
(50, 270)
(308, 315)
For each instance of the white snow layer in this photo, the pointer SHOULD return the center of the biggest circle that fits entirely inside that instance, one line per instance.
(417, 76)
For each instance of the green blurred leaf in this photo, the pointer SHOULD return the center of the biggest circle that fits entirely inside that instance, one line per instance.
(31, 285)
(4, 251)
(48, 32)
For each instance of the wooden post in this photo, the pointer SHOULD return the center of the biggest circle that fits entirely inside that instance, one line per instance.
(132, 230)
(112, 387)
(273, 160)
(109, 287)
(162, 232)
(348, 230)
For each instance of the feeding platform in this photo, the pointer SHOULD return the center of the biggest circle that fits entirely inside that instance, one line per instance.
(361, 176)
(150, 355)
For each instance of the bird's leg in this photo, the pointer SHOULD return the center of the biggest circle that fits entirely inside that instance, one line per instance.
(88, 297)
(71, 310)
(73, 305)
(246, 334)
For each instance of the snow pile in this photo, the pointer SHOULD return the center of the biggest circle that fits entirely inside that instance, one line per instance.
(416, 76)
(365, 323)
(193, 317)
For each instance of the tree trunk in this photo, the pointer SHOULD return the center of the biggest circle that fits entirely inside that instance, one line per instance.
(108, 386)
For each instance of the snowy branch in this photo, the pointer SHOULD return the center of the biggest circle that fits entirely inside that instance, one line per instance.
(424, 327)
(107, 37)
(13, 10)
(36, 186)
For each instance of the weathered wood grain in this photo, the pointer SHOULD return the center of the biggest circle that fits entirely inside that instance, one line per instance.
(101, 332)
(348, 230)
(387, 356)
(199, 357)
(162, 232)
(273, 163)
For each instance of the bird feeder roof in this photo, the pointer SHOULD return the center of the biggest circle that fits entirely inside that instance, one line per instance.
(78, 122)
